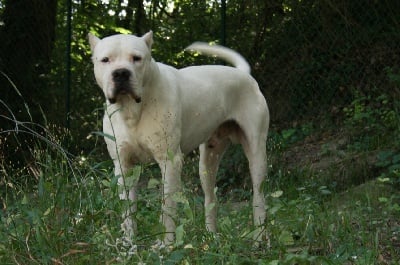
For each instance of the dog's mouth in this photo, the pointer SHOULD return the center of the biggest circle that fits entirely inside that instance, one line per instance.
(123, 93)
(122, 86)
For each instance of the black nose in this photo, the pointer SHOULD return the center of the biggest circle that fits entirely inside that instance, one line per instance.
(121, 75)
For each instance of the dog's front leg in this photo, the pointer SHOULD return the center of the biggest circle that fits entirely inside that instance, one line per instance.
(127, 193)
(171, 167)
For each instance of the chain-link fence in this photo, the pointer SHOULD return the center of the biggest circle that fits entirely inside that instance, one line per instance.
(309, 57)
(314, 61)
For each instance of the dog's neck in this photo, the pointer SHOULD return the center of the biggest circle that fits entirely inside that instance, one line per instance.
(127, 109)
(152, 73)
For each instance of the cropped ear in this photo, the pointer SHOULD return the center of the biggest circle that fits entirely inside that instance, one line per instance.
(93, 40)
(148, 38)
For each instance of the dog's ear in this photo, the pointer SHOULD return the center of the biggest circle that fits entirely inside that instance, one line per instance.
(148, 38)
(93, 40)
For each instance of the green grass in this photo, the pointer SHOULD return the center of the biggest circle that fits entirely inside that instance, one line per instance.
(342, 208)
(69, 213)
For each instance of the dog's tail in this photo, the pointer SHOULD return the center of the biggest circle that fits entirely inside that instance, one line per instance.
(222, 52)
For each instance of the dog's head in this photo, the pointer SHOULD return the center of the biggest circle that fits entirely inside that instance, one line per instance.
(120, 64)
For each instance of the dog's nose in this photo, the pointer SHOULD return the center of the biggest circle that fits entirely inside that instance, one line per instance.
(121, 75)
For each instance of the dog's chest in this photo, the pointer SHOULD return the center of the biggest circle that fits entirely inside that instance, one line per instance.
(135, 142)
(134, 146)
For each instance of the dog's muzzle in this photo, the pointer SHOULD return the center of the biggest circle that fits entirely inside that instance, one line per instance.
(121, 78)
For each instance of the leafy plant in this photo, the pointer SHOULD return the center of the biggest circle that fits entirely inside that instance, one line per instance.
(390, 161)
(371, 118)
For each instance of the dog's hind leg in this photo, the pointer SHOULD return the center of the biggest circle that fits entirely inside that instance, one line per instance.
(255, 150)
(258, 168)
(210, 156)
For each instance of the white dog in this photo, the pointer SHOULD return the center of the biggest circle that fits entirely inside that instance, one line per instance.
(158, 113)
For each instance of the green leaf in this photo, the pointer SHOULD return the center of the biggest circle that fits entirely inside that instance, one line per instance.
(324, 190)
(394, 167)
(179, 197)
(122, 30)
(383, 199)
(105, 135)
(25, 199)
(153, 183)
(286, 238)
(47, 212)
(275, 209)
(277, 194)
(135, 172)
(188, 212)
(132, 178)
(105, 183)
(170, 155)
(286, 134)
(179, 235)
(396, 159)
(383, 179)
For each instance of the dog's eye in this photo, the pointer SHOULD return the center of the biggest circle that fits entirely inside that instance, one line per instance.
(105, 60)
(136, 58)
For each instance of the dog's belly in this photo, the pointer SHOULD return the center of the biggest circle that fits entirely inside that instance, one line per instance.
(188, 145)
(193, 137)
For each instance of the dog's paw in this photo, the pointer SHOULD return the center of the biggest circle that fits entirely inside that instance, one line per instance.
(123, 246)
(260, 238)
(158, 245)
(128, 227)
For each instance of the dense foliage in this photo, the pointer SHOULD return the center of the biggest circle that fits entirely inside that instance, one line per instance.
(309, 56)
(329, 71)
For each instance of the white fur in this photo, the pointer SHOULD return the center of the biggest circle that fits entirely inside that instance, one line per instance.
(164, 113)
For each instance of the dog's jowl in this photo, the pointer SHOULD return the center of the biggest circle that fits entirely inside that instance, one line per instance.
(158, 113)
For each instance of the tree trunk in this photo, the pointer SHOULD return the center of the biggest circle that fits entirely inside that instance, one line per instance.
(26, 43)
(140, 18)
(27, 40)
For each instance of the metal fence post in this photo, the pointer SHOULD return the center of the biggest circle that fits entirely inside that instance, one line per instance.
(223, 22)
(68, 65)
